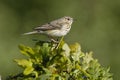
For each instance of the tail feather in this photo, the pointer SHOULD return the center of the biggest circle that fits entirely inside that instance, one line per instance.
(33, 32)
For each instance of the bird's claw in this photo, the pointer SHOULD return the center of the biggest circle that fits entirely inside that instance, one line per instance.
(55, 41)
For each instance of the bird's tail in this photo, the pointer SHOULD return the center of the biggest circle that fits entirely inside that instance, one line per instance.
(33, 32)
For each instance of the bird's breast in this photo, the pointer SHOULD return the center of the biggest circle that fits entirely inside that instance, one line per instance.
(59, 32)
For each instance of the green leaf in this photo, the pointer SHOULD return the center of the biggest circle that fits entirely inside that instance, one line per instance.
(24, 62)
(44, 77)
(88, 57)
(28, 51)
(75, 48)
(76, 52)
(66, 49)
(28, 70)
(46, 61)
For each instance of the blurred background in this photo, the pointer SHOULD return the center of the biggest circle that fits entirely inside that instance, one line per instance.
(97, 28)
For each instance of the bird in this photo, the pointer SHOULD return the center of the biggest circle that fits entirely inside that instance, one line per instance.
(56, 28)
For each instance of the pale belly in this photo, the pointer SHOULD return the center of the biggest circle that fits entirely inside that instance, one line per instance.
(58, 33)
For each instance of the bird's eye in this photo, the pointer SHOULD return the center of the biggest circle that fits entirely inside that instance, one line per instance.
(68, 19)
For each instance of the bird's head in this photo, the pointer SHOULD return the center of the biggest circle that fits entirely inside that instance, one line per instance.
(67, 20)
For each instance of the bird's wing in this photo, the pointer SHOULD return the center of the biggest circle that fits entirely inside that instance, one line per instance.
(49, 26)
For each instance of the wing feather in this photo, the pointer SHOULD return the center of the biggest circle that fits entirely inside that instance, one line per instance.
(49, 26)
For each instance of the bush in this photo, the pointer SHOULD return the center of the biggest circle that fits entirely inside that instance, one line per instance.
(49, 61)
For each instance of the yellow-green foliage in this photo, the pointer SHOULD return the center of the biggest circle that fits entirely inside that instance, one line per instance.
(45, 61)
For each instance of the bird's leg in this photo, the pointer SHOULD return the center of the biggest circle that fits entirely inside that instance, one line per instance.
(57, 42)
(53, 40)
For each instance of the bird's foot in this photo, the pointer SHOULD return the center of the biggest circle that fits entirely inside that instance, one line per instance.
(55, 41)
